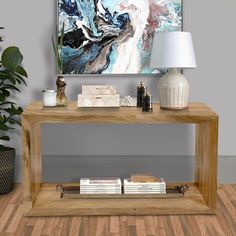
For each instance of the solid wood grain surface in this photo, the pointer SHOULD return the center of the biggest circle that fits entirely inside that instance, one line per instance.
(195, 113)
(13, 223)
(45, 203)
(206, 160)
(49, 203)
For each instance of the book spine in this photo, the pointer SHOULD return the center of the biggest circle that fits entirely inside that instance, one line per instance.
(145, 186)
(100, 189)
(108, 185)
(98, 192)
(145, 193)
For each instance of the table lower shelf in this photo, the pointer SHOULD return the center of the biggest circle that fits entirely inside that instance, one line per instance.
(49, 203)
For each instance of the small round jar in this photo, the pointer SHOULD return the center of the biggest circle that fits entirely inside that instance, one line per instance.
(49, 98)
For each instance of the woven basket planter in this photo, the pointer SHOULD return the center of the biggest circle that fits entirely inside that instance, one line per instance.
(7, 169)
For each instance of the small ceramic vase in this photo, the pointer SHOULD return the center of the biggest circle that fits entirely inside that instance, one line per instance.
(61, 96)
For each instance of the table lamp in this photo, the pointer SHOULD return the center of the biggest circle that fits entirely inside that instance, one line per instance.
(173, 51)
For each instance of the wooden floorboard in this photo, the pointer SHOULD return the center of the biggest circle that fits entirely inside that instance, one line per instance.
(12, 221)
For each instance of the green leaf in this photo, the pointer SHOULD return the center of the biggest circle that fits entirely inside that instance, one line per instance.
(21, 71)
(56, 54)
(9, 86)
(5, 92)
(6, 138)
(11, 58)
(4, 74)
(12, 80)
(1, 40)
(19, 79)
(14, 121)
(2, 97)
(7, 75)
(61, 45)
(5, 103)
(13, 111)
(3, 127)
(62, 35)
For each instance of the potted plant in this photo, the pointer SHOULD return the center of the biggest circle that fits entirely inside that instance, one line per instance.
(61, 84)
(12, 76)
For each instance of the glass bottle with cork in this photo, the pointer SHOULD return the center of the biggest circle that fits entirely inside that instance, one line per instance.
(147, 101)
(140, 94)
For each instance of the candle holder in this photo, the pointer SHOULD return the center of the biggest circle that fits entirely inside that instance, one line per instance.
(49, 98)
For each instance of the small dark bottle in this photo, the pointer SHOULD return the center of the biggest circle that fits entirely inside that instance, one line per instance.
(147, 102)
(140, 94)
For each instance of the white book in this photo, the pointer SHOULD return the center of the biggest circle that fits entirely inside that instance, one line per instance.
(145, 192)
(127, 182)
(101, 189)
(101, 186)
(100, 192)
(144, 189)
(144, 184)
(97, 188)
(148, 190)
(95, 191)
(100, 181)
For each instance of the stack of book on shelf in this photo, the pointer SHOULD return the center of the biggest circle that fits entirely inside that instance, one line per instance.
(100, 186)
(144, 184)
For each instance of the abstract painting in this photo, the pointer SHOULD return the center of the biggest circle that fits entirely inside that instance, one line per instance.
(113, 36)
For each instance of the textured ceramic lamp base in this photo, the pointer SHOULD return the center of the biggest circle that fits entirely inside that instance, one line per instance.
(173, 89)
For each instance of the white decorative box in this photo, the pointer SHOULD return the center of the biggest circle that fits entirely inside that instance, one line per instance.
(87, 100)
(99, 89)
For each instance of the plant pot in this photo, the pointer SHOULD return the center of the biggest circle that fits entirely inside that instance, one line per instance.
(7, 169)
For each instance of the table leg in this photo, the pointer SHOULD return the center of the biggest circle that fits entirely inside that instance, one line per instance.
(32, 163)
(206, 160)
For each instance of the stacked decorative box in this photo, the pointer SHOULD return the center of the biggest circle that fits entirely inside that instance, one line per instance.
(100, 186)
(98, 96)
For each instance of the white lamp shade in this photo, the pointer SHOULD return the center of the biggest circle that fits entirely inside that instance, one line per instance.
(172, 50)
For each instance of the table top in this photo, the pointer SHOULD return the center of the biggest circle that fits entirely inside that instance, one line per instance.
(195, 113)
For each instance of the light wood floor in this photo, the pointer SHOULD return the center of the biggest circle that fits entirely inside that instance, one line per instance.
(12, 221)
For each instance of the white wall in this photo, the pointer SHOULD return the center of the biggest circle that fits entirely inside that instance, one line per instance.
(30, 25)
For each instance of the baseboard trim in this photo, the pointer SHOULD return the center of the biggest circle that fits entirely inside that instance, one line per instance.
(172, 168)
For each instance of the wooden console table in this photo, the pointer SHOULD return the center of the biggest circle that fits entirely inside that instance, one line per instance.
(42, 200)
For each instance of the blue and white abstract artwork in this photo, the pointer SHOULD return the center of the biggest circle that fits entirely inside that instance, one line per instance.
(113, 36)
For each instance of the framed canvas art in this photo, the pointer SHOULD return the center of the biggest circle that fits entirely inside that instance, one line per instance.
(113, 36)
